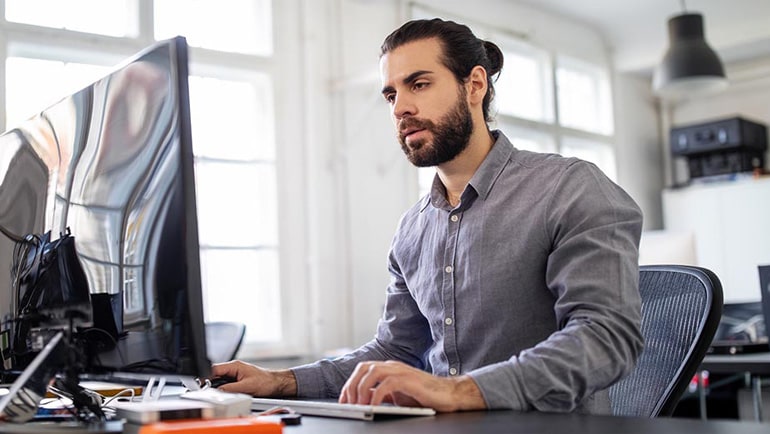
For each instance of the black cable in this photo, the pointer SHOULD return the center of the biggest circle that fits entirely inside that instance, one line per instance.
(10, 235)
(109, 335)
(150, 366)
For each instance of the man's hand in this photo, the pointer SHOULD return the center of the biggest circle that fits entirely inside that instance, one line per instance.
(395, 382)
(255, 381)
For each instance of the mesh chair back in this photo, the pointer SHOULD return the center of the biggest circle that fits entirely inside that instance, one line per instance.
(223, 340)
(681, 309)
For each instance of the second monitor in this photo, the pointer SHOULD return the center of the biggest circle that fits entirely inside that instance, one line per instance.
(113, 162)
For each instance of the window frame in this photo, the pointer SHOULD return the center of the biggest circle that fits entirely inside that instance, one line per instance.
(555, 128)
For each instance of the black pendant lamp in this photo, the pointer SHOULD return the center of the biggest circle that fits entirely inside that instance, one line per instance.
(690, 67)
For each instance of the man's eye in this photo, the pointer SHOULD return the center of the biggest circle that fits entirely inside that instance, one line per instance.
(390, 98)
(420, 85)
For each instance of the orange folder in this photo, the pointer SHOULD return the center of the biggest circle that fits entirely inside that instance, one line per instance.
(234, 425)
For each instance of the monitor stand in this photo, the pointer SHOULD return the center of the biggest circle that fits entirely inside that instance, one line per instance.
(56, 362)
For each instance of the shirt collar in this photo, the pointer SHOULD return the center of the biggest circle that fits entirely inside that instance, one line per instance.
(493, 165)
(485, 176)
(436, 196)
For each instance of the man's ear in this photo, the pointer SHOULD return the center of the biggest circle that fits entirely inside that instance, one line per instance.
(476, 84)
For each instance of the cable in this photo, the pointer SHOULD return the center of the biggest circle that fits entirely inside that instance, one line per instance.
(118, 395)
(114, 342)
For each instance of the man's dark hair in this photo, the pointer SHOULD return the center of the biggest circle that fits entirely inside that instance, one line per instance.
(461, 50)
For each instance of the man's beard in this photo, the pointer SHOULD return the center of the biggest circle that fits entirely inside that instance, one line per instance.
(450, 136)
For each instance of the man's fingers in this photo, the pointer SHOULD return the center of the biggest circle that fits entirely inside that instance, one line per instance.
(349, 390)
(357, 390)
(368, 380)
(377, 382)
(237, 387)
(389, 390)
(228, 369)
(365, 379)
(403, 400)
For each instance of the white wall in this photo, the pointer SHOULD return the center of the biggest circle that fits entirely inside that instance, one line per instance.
(640, 148)
(729, 223)
(358, 180)
(357, 183)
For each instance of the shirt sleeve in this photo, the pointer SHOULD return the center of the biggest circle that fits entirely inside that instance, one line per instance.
(325, 378)
(402, 334)
(593, 272)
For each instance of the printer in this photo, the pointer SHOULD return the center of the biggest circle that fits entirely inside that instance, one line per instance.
(720, 147)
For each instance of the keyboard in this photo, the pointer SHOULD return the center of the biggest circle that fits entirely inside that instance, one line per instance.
(338, 410)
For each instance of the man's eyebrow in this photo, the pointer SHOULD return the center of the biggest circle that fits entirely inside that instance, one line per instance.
(411, 78)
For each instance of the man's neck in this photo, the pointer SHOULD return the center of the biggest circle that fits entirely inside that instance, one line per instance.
(456, 174)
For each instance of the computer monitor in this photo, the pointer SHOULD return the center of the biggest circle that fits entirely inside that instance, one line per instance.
(113, 164)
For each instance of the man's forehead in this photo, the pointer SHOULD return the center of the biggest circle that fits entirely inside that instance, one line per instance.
(419, 55)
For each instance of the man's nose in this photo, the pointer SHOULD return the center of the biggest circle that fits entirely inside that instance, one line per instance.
(404, 106)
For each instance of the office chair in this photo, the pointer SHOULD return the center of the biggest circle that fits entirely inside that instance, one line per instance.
(223, 340)
(681, 309)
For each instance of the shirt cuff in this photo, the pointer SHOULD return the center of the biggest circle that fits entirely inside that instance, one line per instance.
(499, 387)
(309, 381)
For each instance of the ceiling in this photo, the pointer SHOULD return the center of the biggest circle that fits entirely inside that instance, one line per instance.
(636, 31)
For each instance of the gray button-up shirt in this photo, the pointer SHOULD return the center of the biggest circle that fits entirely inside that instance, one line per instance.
(529, 285)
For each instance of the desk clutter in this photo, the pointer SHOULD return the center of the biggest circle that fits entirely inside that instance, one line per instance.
(193, 411)
(745, 327)
(197, 404)
(170, 410)
(741, 330)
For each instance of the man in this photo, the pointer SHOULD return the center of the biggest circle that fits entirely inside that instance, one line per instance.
(514, 282)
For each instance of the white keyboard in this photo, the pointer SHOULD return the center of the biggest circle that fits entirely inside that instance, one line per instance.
(335, 409)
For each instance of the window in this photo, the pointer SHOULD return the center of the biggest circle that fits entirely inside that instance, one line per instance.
(234, 140)
(584, 96)
(32, 84)
(233, 126)
(425, 177)
(244, 26)
(524, 85)
(115, 17)
(528, 139)
(579, 123)
(601, 154)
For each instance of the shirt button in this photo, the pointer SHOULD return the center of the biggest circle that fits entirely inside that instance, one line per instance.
(454, 218)
(448, 269)
(448, 321)
(452, 371)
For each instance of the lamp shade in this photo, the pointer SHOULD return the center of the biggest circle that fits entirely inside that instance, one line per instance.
(689, 66)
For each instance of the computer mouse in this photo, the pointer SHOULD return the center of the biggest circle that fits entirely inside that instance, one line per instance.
(219, 381)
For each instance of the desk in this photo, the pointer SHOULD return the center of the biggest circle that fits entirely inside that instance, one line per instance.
(756, 365)
(488, 422)
(515, 422)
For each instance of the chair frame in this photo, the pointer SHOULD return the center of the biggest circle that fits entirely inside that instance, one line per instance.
(707, 328)
(236, 339)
